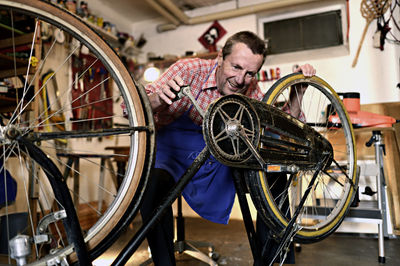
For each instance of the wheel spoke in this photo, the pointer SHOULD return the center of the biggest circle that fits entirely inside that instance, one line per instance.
(221, 136)
(224, 116)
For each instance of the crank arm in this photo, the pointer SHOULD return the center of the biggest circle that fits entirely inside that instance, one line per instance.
(264, 166)
(253, 150)
(185, 91)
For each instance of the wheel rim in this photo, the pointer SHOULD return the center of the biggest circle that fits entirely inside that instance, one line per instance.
(333, 190)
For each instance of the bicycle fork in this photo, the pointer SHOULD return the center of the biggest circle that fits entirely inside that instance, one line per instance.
(20, 246)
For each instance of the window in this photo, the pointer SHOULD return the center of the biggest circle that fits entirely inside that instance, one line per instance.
(313, 29)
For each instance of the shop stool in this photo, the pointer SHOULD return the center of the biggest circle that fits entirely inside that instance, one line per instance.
(192, 247)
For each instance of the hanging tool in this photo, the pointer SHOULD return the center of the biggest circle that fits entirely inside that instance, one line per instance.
(370, 10)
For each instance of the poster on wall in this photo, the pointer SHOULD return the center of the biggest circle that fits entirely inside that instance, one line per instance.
(212, 35)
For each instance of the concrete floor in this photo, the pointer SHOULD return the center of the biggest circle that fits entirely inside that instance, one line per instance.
(230, 242)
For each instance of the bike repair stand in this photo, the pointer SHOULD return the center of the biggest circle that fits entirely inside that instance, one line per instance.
(376, 139)
(191, 248)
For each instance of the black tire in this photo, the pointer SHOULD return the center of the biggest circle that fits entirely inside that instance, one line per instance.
(276, 195)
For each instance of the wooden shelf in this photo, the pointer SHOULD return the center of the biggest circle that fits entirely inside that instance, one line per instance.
(10, 66)
(7, 62)
(21, 40)
(7, 66)
(109, 37)
(166, 63)
(8, 104)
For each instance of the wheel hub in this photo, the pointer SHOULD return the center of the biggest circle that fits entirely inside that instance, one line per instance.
(9, 134)
(12, 133)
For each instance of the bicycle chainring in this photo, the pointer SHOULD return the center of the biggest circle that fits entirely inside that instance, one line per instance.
(224, 121)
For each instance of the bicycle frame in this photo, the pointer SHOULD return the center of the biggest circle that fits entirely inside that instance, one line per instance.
(312, 144)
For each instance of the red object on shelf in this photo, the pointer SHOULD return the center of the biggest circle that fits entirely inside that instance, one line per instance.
(272, 74)
(278, 73)
(358, 118)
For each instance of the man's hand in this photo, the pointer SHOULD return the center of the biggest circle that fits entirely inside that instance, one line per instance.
(297, 91)
(307, 70)
(167, 93)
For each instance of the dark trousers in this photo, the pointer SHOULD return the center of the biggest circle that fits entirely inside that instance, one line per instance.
(269, 245)
(161, 237)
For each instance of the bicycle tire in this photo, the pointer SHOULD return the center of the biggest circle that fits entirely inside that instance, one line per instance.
(123, 202)
(334, 189)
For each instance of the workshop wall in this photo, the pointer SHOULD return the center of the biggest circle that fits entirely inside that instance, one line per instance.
(375, 76)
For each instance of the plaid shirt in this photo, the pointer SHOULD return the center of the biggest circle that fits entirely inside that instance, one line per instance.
(200, 75)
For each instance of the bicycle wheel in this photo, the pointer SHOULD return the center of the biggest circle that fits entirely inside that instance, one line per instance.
(104, 154)
(277, 195)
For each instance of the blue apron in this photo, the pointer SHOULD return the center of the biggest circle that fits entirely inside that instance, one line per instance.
(211, 192)
(8, 186)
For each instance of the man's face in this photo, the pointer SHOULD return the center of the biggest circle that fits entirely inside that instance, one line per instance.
(237, 70)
